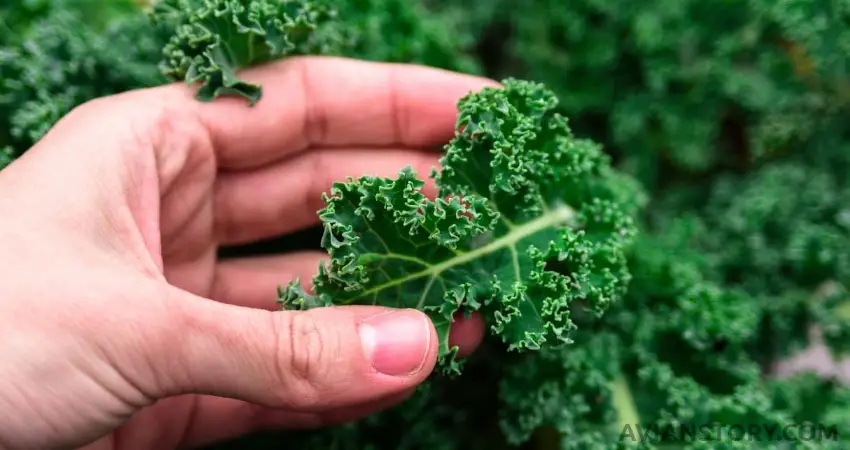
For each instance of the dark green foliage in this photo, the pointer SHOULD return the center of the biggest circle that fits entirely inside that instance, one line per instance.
(62, 56)
(404, 31)
(681, 86)
(673, 304)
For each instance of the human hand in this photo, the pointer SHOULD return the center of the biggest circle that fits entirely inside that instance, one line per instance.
(121, 329)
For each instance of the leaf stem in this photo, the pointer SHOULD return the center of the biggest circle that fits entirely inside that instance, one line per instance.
(561, 214)
(624, 404)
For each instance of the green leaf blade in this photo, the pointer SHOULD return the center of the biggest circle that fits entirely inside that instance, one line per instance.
(211, 40)
(502, 220)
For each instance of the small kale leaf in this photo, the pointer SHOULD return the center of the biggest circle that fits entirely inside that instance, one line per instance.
(213, 39)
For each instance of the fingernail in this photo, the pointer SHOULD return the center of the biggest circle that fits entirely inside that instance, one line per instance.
(397, 342)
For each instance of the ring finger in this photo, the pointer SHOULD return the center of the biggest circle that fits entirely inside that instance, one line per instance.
(285, 197)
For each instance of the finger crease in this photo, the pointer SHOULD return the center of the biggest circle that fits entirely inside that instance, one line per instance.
(315, 124)
(395, 108)
(279, 371)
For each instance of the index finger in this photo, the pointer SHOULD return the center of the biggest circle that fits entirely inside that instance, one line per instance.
(334, 102)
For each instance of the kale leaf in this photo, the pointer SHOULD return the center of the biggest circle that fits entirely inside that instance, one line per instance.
(530, 227)
(211, 40)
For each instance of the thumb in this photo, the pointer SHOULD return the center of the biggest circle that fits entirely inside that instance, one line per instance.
(303, 360)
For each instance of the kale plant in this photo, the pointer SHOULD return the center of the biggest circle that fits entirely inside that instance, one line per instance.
(652, 212)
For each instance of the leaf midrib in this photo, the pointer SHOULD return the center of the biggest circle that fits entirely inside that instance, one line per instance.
(560, 214)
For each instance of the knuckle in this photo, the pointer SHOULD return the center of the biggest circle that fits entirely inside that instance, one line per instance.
(303, 357)
(398, 111)
(225, 225)
(315, 118)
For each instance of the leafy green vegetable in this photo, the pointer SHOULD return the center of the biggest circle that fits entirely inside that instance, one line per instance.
(213, 39)
(518, 195)
(405, 31)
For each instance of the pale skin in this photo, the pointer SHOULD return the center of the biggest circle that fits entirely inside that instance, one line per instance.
(122, 330)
